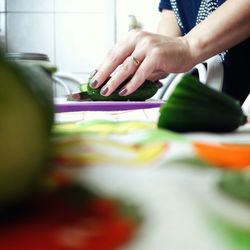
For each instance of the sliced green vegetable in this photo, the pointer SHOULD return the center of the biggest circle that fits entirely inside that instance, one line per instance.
(194, 106)
(144, 92)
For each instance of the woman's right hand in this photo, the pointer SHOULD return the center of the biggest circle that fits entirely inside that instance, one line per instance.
(142, 55)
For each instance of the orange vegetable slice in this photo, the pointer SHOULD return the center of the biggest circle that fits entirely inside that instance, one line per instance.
(233, 156)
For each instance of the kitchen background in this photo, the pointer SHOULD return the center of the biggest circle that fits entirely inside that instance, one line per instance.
(75, 34)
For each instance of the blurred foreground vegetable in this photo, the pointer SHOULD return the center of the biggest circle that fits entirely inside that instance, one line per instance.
(26, 118)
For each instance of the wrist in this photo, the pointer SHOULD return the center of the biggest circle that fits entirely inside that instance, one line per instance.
(191, 57)
(196, 49)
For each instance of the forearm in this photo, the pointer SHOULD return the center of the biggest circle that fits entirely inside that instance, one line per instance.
(224, 28)
(168, 25)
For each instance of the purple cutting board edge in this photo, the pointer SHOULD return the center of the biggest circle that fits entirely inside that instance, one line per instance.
(105, 106)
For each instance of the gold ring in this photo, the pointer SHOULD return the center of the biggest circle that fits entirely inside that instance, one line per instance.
(136, 61)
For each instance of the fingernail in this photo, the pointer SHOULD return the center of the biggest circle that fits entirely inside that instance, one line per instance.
(93, 73)
(123, 92)
(94, 83)
(104, 90)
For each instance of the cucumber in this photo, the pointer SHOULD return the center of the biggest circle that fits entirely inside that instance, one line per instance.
(144, 92)
(26, 111)
(194, 106)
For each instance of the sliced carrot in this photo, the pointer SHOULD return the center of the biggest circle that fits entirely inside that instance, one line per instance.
(234, 156)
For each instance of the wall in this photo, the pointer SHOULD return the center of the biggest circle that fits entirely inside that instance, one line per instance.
(2, 24)
(145, 11)
(75, 34)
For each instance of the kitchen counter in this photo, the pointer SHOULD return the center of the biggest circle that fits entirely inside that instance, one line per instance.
(116, 181)
(123, 154)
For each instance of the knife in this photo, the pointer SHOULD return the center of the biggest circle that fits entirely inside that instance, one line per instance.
(78, 96)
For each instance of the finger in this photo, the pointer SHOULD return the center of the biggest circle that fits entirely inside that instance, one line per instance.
(113, 59)
(110, 63)
(144, 70)
(127, 69)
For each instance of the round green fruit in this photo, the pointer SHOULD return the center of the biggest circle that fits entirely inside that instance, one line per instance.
(26, 118)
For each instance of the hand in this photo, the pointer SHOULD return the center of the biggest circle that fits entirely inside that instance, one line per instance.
(144, 56)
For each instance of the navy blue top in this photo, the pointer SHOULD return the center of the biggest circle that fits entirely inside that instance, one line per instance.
(236, 60)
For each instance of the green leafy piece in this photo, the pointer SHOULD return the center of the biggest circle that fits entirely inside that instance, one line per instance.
(236, 184)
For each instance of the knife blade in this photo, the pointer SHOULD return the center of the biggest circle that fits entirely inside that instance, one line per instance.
(79, 96)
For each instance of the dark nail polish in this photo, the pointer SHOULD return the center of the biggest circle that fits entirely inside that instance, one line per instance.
(92, 74)
(104, 90)
(94, 83)
(123, 92)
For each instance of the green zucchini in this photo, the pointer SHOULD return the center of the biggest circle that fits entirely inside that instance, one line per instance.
(144, 92)
(194, 106)
(26, 111)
